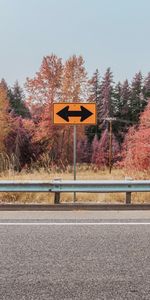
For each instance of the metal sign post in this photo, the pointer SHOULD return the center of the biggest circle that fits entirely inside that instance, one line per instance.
(110, 145)
(74, 155)
(74, 113)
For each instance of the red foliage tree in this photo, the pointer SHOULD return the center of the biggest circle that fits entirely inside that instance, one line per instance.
(136, 148)
(100, 155)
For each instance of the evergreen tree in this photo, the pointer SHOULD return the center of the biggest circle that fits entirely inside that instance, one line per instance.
(125, 96)
(121, 98)
(94, 89)
(136, 102)
(116, 100)
(94, 96)
(106, 109)
(17, 101)
(146, 88)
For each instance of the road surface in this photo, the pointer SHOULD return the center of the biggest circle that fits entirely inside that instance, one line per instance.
(75, 255)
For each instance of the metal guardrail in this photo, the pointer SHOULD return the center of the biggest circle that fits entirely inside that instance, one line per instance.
(91, 186)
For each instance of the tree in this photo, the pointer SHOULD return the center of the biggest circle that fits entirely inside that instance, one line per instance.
(18, 143)
(121, 96)
(94, 89)
(74, 89)
(17, 101)
(45, 86)
(125, 96)
(136, 147)
(94, 96)
(95, 146)
(146, 87)
(45, 89)
(136, 102)
(106, 95)
(116, 100)
(83, 151)
(74, 81)
(5, 122)
(101, 150)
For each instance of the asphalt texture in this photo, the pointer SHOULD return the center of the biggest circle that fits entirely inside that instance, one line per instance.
(83, 256)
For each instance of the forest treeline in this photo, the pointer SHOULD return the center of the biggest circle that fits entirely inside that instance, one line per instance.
(30, 139)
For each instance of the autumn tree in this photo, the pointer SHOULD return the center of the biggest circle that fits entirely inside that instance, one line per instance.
(5, 123)
(136, 148)
(74, 89)
(74, 81)
(43, 90)
(45, 86)
(19, 144)
(101, 150)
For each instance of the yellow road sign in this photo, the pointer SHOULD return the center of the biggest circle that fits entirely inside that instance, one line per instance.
(74, 113)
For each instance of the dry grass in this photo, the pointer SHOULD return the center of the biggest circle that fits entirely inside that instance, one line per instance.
(83, 172)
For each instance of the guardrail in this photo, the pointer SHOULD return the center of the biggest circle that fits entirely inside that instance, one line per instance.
(63, 186)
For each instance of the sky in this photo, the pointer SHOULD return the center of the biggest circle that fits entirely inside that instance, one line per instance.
(107, 33)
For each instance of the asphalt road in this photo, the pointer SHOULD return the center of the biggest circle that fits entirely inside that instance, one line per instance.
(74, 255)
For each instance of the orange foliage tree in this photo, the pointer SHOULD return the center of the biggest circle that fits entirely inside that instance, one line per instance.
(74, 89)
(5, 121)
(55, 83)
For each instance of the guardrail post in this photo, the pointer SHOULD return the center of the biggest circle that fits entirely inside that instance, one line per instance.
(128, 197)
(57, 198)
(57, 194)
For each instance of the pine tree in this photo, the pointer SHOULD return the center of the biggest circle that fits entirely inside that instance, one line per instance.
(94, 89)
(136, 103)
(17, 101)
(94, 96)
(106, 95)
(146, 88)
(125, 96)
(116, 99)
(121, 96)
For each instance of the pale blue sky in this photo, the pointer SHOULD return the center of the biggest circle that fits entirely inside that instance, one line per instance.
(108, 33)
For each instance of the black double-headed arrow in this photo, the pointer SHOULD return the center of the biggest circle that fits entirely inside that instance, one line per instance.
(65, 113)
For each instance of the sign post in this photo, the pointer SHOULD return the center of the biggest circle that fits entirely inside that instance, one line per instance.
(74, 113)
(74, 155)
